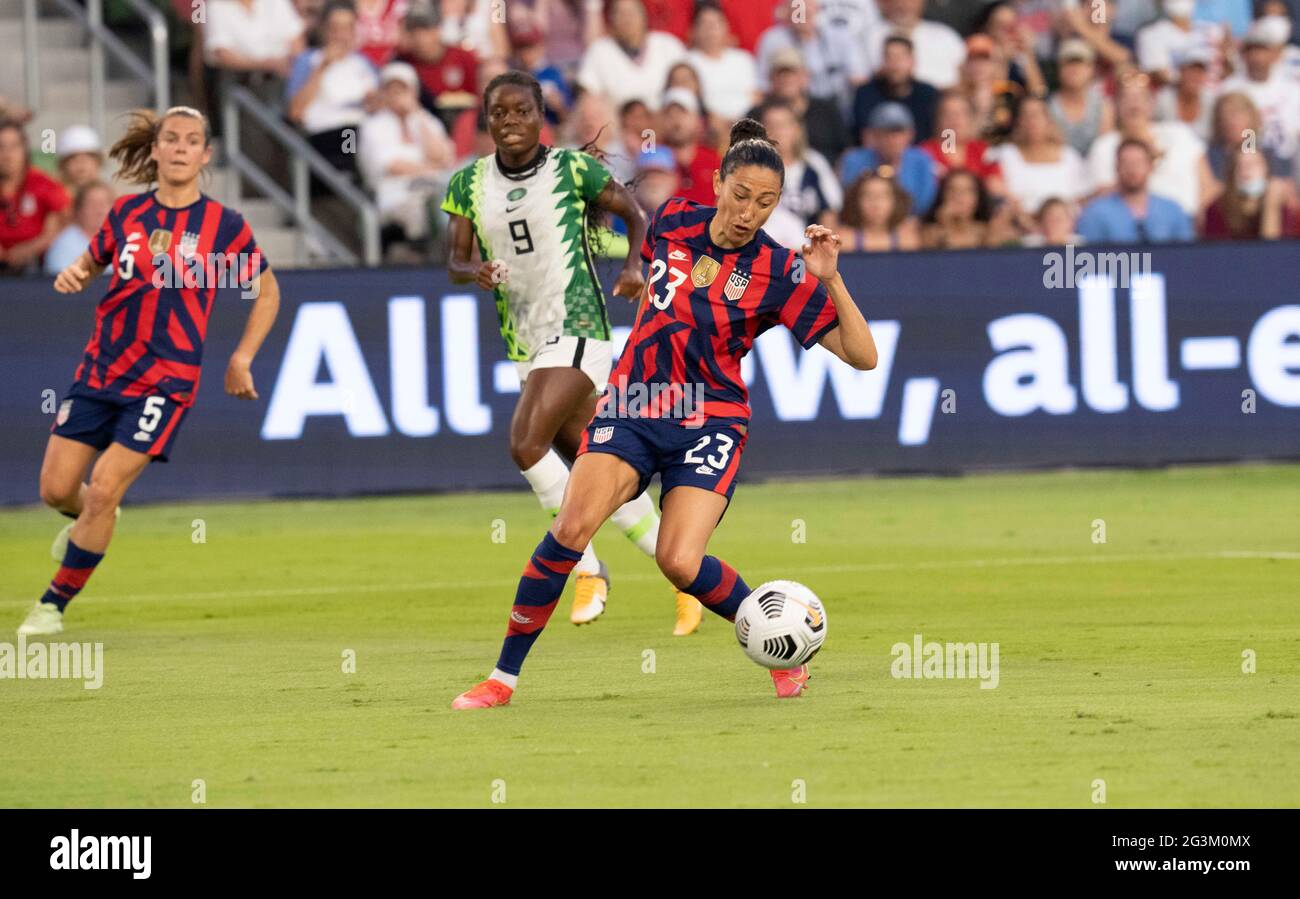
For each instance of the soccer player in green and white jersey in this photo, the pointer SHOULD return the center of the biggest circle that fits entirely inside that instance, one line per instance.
(526, 208)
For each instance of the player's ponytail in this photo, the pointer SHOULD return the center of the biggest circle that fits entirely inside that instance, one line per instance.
(750, 145)
(132, 150)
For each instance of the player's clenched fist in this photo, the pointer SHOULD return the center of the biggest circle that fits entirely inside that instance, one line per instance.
(239, 379)
(493, 273)
(72, 279)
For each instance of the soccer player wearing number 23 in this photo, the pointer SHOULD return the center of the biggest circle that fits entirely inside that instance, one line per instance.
(716, 282)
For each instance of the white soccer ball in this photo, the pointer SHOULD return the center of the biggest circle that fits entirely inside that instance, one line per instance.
(782, 624)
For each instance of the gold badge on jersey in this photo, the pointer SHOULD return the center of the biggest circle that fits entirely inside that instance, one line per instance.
(704, 272)
(159, 241)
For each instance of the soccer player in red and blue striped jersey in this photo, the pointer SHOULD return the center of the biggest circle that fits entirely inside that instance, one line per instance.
(172, 251)
(676, 405)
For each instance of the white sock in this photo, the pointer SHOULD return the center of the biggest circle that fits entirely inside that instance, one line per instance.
(639, 522)
(548, 478)
(510, 680)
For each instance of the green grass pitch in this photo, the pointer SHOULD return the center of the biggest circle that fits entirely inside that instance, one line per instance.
(1119, 661)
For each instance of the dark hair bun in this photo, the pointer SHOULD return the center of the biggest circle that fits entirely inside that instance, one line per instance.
(748, 129)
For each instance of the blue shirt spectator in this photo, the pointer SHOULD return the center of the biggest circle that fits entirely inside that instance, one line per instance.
(915, 174)
(1232, 14)
(1109, 219)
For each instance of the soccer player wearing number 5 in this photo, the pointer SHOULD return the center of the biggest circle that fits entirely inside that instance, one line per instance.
(717, 281)
(171, 250)
(529, 209)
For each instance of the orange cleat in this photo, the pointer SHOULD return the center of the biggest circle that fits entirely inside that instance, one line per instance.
(790, 682)
(484, 696)
(688, 615)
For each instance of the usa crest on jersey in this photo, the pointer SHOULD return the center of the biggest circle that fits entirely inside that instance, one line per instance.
(736, 285)
(602, 434)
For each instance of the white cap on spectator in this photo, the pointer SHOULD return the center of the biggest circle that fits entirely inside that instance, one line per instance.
(78, 139)
(400, 71)
(1075, 48)
(1195, 56)
(787, 58)
(1263, 33)
(683, 97)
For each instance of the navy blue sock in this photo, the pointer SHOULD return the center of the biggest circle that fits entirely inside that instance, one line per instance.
(78, 565)
(539, 590)
(718, 587)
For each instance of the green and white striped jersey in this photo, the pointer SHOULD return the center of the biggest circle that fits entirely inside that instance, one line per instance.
(537, 224)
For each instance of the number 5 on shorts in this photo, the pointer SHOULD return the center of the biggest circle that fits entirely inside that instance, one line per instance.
(153, 413)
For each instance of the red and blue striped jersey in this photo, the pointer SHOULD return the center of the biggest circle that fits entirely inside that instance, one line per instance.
(703, 308)
(167, 266)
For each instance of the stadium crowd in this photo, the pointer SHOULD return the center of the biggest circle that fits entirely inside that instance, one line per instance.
(905, 124)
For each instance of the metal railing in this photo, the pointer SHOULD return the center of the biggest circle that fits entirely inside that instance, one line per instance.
(154, 73)
(304, 162)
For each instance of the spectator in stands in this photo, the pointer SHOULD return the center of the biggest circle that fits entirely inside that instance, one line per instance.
(961, 218)
(636, 130)
(1253, 206)
(33, 205)
(821, 118)
(379, 28)
(749, 19)
(529, 45)
(1165, 42)
(681, 127)
(590, 123)
(836, 64)
(656, 178)
(448, 74)
(1092, 22)
(1132, 214)
(1274, 97)
(1079, 107)
(683, 75)
(889, 144)
(1013, 47)
(308, 10)
(1037, 163)
(896, 81)
(811, 192)
(729, 75)
(877, 216)
(251, 36)
(633, 61)
(1237, 127)
(405, 154)
(993, 96)
(1181, 171)
(954, 146)
(1276, 17)
(81, 157)
(938, 48)
(1053, 226)
(90, 206)
(475, 25)
(330, 89)
(1190, 99)
(13, 111)
(1231, 14)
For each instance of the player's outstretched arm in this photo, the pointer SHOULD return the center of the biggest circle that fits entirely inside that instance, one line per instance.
(239, 373)
(76, 276)
(851, 340)
(463, 264)
(617, 199)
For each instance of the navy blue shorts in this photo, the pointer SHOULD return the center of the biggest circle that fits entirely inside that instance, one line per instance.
(706, 457)
(146, 424)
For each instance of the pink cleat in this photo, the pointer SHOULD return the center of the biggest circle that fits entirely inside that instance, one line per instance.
(790, 682)
(484, 696)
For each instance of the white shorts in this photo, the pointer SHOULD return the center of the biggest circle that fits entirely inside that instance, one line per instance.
(593, 357)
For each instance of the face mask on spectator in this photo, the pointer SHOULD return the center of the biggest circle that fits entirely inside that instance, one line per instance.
(1278, 26)
(1180, 9)
(1253, 188)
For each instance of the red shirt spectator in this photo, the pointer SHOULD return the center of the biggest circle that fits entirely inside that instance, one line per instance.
(972, 159)
(23, 212)
(672, 16)
(749, 19)
(695, 178)
(378, 26)
(442, 69)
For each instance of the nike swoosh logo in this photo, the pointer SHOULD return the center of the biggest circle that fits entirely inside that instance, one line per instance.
(510, 209)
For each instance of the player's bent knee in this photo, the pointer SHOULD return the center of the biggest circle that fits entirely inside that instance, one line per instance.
(573, 530)
(527, 452)
(59, 493)
(101, 499)
(679, 565)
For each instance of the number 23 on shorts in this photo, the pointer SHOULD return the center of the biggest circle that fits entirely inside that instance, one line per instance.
(713, 450)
